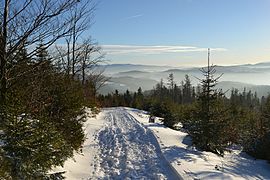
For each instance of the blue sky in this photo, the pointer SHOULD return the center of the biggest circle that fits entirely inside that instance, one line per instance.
(178, 32)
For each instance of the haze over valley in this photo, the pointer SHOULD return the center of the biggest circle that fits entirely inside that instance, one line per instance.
(254, 77)
(155, 89)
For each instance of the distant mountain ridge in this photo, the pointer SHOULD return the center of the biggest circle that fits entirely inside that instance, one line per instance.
(255, 77)
(262, 90)
(116, 68)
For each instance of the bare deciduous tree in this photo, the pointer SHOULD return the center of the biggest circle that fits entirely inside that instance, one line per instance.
(85, 64)
(25, 22)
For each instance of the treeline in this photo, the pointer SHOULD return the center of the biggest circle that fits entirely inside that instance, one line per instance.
(43, 90)
(213, 120)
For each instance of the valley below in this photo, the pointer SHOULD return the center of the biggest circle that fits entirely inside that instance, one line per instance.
(130, 76)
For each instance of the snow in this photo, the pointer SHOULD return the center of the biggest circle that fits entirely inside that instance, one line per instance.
(194, 164)
(118, 147)
(81, 165)
(129, 150)
(121, 144)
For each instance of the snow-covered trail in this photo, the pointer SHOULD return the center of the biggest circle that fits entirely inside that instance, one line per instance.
(121, 144)
(128, 150)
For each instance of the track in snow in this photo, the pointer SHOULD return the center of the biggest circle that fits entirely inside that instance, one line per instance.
(128, 150)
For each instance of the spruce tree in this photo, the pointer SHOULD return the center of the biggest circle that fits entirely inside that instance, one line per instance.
(257, 143)
(187, 90)
(210, 118)
(127, 98)
(41, 128)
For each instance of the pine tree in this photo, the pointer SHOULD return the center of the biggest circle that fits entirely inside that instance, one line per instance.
(160, 90)
(41, 52)
(127, 98)
(256, 132)
(211, 117)
(187, 90)
(116, 98)
(139, 99)
(41, 128)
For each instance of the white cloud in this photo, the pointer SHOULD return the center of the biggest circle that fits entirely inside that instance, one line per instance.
(133, 17)
(127, 49)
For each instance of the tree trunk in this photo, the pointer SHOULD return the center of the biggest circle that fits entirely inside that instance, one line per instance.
(74, 45)
(3, 56)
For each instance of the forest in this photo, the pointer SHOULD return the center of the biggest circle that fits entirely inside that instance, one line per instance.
(49, 74)
(215, 122)
(47, 77)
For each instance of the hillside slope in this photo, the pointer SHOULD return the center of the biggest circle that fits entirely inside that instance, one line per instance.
(121, 144)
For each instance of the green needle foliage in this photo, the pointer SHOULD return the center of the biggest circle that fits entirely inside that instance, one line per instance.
(41, 127)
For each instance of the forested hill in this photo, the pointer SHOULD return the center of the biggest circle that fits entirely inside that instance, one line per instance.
(128, 76)
(213, 120)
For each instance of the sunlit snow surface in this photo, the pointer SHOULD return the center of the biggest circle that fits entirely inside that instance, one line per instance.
(193, 164)
(121, 144)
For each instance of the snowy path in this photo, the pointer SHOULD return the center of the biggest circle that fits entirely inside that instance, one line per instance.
(128, 150)
(194, 164)
(121, 144)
